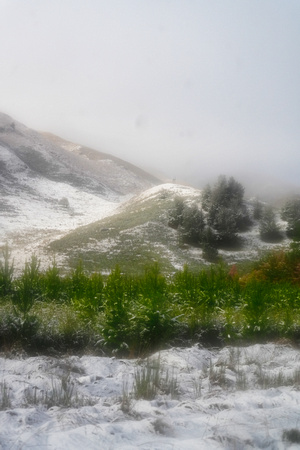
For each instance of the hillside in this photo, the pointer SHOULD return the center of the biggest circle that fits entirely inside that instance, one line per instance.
(138, 234)
(63, 200)
(115, 173)
(49, 186)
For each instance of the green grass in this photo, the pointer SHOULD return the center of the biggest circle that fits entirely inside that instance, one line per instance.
(139, 233)
(151, 378)
(132, 314)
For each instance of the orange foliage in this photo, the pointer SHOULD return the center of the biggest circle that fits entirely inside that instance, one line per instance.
(233, 272)
(255, 275)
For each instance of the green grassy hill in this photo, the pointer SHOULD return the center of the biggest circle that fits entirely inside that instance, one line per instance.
(136, 235)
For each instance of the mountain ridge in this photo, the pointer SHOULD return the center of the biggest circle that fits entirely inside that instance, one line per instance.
(50, 156)
(46, 190)
(99, 156)
(66, 201)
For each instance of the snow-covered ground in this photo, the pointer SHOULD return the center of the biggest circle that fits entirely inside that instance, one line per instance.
(38, 210)
(233, 398)
(187, 192)
(35, 223)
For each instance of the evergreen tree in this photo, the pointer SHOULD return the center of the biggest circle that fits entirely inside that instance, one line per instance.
(227, 212)
(226, 192)
(206, 197)
(193, 225)
(224, 224)
(291, 214)
(176, 213)
(268, 227)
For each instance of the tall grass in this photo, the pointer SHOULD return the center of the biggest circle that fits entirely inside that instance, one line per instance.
(136, 314)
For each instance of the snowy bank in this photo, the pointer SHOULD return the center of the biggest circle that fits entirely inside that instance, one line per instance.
(241, 398)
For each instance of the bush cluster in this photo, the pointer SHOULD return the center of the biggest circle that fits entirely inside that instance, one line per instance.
(134, 315)
(222, 215)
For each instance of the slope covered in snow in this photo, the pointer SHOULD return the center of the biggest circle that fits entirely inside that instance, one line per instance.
(49, 186)
(233, 398)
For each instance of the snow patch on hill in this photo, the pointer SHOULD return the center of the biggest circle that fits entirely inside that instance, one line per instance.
(36, 210)
(187, 192)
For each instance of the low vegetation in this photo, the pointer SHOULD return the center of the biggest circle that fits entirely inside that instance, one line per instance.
(151, 379)
(62, 393)
(133, 315)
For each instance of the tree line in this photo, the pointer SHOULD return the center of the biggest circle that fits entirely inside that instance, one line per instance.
(223, 213)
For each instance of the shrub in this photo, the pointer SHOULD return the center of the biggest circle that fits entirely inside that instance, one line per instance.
(153, 316)
(150, 379)
(78, 281)
(273, 267)
(63, 394)
(27, 288)
(116, 329)
(52, 283)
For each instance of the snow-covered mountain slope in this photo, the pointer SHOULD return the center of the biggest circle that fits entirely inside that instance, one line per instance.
(49, 186)
(231, 398)
(33, 154)
(114, 173)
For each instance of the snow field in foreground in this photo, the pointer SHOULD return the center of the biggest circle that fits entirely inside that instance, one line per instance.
(241, 398)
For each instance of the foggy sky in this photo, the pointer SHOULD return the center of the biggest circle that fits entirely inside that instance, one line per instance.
(191, 88)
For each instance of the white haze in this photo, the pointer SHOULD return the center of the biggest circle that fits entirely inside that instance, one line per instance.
(191, 88)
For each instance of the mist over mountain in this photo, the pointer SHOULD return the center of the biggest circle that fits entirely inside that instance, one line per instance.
(263, 185)
(40, 154)
(49, 186)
